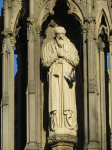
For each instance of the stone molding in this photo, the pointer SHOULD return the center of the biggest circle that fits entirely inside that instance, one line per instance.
(33, 146)
(93, 145)
(62, 139)
(31, 21)
(7, 33)
(73, 9)
(5, 100)
(32, 87)
(91, 87)
(110, 43)
(84, 28)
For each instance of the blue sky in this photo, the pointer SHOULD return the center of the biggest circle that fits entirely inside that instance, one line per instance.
(1, 4)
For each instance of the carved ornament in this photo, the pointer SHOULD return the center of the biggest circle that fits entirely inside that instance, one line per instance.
(7, 34)
(38, 29)
(90, 32)
(84, 28)
(31, 21)
(52, 24)
(6, 46)
(47, 10)
(73, 9)
(66, 138)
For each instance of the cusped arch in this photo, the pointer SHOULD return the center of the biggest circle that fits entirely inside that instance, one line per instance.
(103, 22)
(47, 9)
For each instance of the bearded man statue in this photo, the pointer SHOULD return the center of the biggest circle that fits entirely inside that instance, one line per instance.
(61, 56)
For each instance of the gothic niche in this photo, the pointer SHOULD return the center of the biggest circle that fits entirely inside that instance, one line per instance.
(72, 28)
(20, 83)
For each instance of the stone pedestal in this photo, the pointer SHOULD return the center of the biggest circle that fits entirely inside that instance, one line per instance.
(32, 146)
(62, 142)
(63, 146)
(93, 146)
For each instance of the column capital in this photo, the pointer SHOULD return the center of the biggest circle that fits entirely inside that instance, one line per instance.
(90, 19)
(7, 33)
(31, 21)
(84, 28)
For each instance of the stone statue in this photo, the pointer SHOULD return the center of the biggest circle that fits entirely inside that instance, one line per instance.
(61, 57)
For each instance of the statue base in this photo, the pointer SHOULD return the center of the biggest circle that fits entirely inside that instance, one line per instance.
(64, 131)
(32, 146)
(62, 141)
(93, 146)
(65, 146)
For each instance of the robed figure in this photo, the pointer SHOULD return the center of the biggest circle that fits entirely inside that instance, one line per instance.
(61, 56)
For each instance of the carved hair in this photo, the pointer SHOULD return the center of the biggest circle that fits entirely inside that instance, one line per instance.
(58, 29)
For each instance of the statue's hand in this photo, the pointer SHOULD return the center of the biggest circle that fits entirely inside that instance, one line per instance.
(60, 61)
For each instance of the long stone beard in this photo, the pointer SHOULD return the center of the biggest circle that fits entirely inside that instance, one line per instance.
(60, 42)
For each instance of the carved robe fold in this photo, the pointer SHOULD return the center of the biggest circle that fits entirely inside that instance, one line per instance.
(62, 95)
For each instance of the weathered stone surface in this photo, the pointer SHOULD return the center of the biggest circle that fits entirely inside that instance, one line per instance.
(61, 56)
(26, 21)
(65, 138)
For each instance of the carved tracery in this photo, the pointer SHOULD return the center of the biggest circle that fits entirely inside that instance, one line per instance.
(103, 23)
(48, 10)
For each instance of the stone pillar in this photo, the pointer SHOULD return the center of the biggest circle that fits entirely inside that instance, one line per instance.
(110, 44)
(32, 115)
(97, 93)
(93, 114)
(33, 131)
(32, 8)
(7, 16)
(89, 8)
(38, 85)
(19, 48)
(7, 103)
(102, 95)
(84, 28)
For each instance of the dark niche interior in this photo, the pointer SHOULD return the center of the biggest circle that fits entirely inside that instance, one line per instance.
(73, 32)
(20, 86)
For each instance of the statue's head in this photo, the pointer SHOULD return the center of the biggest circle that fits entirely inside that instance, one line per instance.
(60, 35)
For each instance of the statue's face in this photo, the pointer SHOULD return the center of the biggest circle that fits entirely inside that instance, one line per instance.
(60, 35)
(60, 38)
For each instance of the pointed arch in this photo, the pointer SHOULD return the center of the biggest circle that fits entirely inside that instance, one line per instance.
(47, 9)
(103, 14)
(103, 22)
